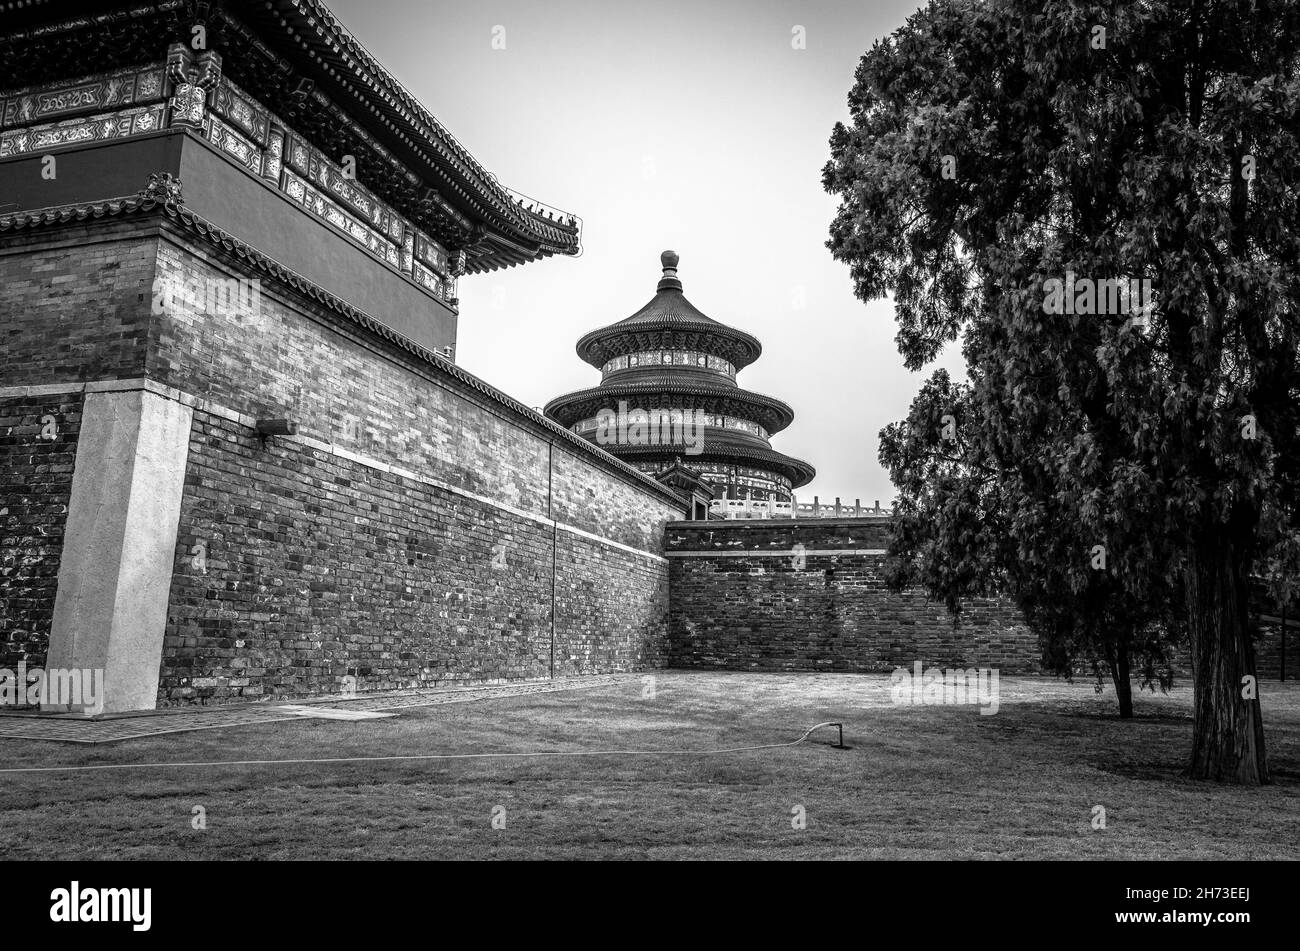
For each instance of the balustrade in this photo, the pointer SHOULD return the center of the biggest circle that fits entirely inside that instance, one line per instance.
(759, 508)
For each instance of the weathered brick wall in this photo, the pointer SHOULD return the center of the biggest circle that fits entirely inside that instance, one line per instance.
(744, 597)
(360, 393)
(315, 568)
(419, 529)
(75, 306)
(320, 565)
(611, 608)
(634, 519)
(318, 568)
(38, 448)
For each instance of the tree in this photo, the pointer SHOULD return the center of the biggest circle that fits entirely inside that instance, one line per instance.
(952, 536)
(1010, 167)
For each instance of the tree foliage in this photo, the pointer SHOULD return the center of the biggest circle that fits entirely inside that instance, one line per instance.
(997, 146)
(952, 536)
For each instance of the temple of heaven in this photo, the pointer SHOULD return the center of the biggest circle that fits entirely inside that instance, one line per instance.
(668, 402)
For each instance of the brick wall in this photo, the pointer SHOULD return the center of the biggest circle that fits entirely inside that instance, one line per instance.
(744, 597)
(318, 567)
(38, 447)
(296, 569)
(419, 529)
(75, 308)
(405, 537)
(72, 309)
(611, 609)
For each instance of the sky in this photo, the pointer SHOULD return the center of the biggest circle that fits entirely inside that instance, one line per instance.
(691, 125)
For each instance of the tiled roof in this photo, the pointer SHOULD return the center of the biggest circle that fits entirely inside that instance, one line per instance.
(797, 471)
(271, 44)
(774, 414)
(669, 312)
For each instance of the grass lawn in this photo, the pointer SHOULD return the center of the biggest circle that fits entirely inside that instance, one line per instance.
(918, 782)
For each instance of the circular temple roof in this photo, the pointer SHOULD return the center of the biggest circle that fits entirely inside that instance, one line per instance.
(797, 471)
(772, 414)
(669, 322)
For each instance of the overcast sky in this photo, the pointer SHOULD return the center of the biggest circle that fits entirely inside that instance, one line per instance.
(686, 124)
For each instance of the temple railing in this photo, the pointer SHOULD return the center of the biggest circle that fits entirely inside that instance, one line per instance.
(751, 508)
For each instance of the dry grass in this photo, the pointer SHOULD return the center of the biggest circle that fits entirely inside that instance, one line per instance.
(919, 782)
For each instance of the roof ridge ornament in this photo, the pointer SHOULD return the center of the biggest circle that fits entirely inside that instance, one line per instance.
(164, 188)
(669, 282)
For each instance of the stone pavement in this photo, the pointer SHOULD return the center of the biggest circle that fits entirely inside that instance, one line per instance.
(116, 727)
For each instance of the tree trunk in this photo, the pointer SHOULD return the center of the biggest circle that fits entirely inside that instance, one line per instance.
(1123, 682)
(1118, 662)
(1228, 731)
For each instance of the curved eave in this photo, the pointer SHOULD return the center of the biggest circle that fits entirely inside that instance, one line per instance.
(797, 471)
(348, 66)
(494, 252)
(285, 40)
(769, 412)
(601, 345)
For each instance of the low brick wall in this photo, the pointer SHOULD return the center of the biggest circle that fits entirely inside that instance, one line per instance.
(809, 594)
(316, 568)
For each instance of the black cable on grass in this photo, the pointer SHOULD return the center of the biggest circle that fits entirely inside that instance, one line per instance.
(431, 756)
